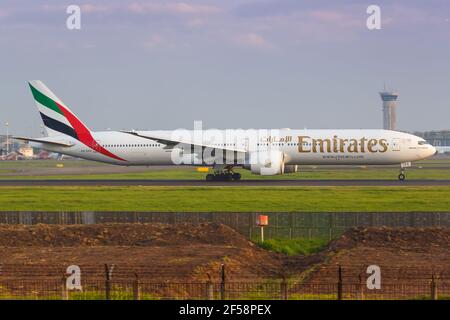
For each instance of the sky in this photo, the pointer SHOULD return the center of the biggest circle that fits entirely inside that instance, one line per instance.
(232, 64)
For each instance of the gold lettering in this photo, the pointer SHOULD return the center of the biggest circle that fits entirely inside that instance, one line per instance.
(301, 140)
(321, 144)
(335, 144)
(383, 144)
(353, 146)
(363, 144)
(372, 143)
(342, 145)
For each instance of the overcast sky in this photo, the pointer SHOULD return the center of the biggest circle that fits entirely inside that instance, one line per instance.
(231, 63)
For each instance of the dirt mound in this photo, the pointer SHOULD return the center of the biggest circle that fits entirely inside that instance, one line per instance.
(395, 238)
(403, 254)
(194, 251)
(44, 235)
(154, 251)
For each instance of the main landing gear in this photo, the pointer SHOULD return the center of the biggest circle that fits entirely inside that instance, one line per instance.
(225, 175)
(403, 166)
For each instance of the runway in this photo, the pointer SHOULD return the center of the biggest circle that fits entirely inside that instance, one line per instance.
(242, 183)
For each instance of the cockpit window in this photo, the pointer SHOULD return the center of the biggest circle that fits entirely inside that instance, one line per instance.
(423, 142)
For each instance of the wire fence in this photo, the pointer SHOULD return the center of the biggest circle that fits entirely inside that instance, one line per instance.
(342, 283)
(143, 290)
(281, 224)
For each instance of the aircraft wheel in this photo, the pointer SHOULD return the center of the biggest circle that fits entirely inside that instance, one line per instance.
(401, 177)
(236, 176)
(228, 177)
(209, 177)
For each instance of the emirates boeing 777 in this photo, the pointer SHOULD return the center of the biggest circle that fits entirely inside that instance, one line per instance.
(262, 151)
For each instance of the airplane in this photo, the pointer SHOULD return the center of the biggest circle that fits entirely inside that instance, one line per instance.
(262, 151)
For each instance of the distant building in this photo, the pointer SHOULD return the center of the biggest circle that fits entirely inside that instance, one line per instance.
(389, 99)
(26, 151)
(436, 138)
(13, 145)
(4, 142)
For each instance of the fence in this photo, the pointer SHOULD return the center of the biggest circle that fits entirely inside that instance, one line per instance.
(432, 287)
(110, 282)
(281, 224)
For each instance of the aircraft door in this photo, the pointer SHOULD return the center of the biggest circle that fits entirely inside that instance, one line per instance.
(395, 146)
(246, 144)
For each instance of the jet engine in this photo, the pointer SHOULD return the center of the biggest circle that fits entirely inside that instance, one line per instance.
(265, 163)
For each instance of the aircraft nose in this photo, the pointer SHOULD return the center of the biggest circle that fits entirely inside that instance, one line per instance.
(434, 150)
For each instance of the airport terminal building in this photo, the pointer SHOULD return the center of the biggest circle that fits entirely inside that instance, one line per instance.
(436, 138)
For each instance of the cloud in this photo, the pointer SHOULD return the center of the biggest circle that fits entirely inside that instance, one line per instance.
(154, 40)
(172, 8)
(195, 22)
(327, 16)
(407, 16)
(252, 40)
(85, 8)
(159, 41)
(94, 8)
(3, 13)
(336, 18)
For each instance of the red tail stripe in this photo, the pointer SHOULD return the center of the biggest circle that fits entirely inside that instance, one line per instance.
(84, 135)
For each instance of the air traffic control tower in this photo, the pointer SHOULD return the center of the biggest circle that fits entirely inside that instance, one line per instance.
(389, 113)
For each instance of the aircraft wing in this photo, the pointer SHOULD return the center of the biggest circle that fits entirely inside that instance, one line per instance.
(172, 143)
(45, 141)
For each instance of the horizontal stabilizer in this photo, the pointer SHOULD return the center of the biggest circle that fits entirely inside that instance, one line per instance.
(45, 141)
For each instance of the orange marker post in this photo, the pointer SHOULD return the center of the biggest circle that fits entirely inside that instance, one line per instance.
(262, 221)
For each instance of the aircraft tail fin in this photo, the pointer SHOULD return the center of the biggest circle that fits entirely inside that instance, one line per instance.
(57, 117)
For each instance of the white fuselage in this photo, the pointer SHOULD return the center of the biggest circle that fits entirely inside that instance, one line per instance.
(313, 147)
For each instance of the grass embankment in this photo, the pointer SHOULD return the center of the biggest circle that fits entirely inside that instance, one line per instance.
(226, 199)
(295, 246)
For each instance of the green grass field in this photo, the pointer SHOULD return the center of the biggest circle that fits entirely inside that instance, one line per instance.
(296, 246)
(226, 199)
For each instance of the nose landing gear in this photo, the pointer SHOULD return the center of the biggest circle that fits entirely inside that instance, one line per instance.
(403, 166)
